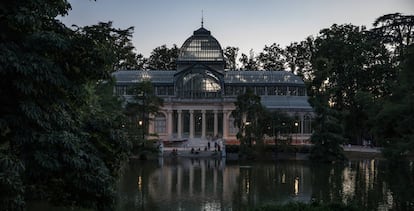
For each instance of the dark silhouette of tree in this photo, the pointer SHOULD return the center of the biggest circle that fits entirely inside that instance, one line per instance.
(299, 56)
(349, 60)
(230, 55)
(396, 30)
(272, 58)
(117, 43)
(394, 123)
(60, 141)
(144, 104)
(163, 58)
(327, 138)
(248, 62)
(248, 117)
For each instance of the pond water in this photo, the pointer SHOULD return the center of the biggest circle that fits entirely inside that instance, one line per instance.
(208, 184)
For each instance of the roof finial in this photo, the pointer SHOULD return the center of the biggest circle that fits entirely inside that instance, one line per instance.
(202, 18)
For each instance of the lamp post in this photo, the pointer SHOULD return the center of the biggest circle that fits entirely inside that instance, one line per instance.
(140, 123)
(248, 133)
(296, 130)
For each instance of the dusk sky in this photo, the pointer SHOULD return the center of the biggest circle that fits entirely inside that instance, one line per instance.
(246, 24)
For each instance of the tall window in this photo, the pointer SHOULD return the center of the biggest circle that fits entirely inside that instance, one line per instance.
(307, 124)
(160, 123)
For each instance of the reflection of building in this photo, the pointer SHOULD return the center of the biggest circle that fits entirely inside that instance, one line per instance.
(199, 96)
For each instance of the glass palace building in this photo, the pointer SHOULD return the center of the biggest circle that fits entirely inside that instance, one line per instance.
(199, 96)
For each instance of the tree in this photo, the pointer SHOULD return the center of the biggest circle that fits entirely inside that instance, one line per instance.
(397, 30)
(230, 55)
(48, 77)
(299, 57)
(248, 63)
(163, 58)
(118, 44)
(276, 122)
(395, 120)
(144, 104)
(350, 60)
(248, 118)
(327, 138)
(272, 58)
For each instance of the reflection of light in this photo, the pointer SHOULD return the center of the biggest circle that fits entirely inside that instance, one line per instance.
(247, 186)
(139, 183)
(211, 205)
(283, 178)
(296, 185)
(348, 184)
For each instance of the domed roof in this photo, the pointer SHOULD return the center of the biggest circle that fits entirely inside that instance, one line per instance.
(201, 46)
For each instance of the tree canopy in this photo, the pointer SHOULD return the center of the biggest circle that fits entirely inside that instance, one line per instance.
(58, 127)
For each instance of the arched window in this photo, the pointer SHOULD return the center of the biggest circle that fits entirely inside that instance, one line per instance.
(160, 123)
(307, 124)
(199, 84)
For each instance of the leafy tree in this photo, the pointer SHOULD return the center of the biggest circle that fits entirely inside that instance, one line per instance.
(272, 58)
(248, 118)
(276, 123)
(103, 119)
(144, 104)
(397, 30)
(299, 57)
(248, 62)
(395, 121)
(118, 44)
(347, 60)
(163, 58)
(142, 62)
(327, 138)
(48, 77)
(230, 55)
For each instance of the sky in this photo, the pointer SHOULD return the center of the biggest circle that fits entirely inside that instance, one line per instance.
(247, 24)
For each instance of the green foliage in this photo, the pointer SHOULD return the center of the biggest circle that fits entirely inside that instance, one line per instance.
(115, 43)
(139, 110)
(395, 121)
(247, 116)
(327, 137)
(163, 58)
(54, 120)
(11, 184)
(351, 67)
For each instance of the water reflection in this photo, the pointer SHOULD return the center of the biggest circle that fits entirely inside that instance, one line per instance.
(197, 184)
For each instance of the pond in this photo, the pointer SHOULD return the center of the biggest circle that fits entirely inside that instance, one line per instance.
(208, 184)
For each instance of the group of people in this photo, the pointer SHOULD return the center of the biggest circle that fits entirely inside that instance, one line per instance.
(217, 147)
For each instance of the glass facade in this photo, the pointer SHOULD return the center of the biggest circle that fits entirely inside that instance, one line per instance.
(200, 84)
(199, 96)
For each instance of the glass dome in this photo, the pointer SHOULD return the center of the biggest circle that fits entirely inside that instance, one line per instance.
(201, 46)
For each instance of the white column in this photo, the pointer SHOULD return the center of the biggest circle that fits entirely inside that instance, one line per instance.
(151, 123)
(179, 124)
(191, 123)
(301, 124)
(225, 124)
(203, 123)
(215, 123)
(169, 123)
